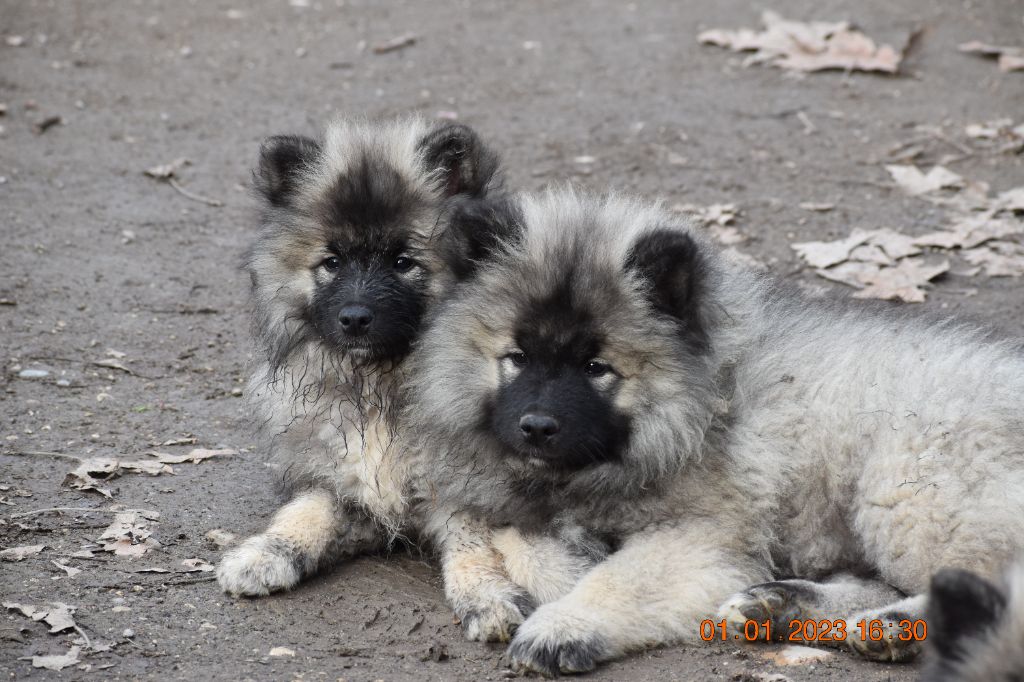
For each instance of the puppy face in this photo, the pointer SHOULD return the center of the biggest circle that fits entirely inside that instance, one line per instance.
(347, 259)
(555, 398)
(371, 284)
(567, 330)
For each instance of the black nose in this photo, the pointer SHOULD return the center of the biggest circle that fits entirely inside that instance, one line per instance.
(538, 429)
(355, 319)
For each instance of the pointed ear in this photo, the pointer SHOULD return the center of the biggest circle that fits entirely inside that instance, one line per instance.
(455, 151)
(475, 230)
(670, 263)
(282, 158)
(961, 605)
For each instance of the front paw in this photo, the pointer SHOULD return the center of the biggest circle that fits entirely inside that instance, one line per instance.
(552, 643)
(496, 620)
(257, 567)
(780, 602)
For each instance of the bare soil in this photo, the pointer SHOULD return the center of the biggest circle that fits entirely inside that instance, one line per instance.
(95, 256)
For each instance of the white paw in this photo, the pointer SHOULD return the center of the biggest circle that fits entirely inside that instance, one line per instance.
(554, 641)
(495, 620)
(257, 567)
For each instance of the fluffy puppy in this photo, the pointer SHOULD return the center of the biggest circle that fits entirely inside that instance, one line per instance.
(607, 369)
(350, 259)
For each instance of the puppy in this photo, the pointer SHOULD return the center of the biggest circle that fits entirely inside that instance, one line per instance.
(349, 261)
(608, 369)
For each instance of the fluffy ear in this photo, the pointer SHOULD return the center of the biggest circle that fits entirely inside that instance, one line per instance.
(475, 229)
(465, 164)
(670, 263)
(961, 605)
(282, 157)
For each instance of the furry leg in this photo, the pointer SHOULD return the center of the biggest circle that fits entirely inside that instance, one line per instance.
(783, 601)
(842, 598)
(305, 535)
(545, 566)
(656, 589)
(489, 605)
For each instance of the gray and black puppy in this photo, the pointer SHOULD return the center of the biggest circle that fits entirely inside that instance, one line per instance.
(609, 369)
(350, 259)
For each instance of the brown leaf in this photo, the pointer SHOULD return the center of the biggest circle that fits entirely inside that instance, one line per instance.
(92, 471)
(20, 553)
(850, 273)
(1009, 58)
(220, 537)
(1000, 259)
(824, 254)
(57, 662)
(129, 534)
(903, 282)
(914, 182)
(58, 615)
(70, 570)
(970, 231)
(807, 46)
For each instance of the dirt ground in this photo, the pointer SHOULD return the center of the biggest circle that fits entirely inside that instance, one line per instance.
(95, 257)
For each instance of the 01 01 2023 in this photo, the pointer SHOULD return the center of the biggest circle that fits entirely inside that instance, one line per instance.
(809, 630)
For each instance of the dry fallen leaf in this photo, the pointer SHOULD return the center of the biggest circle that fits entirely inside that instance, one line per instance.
(57, 662)
(58, 615)
(824, 254)
(1009, 58)
(20, 553)
(197, 565)
(914, 182)
(221, 538)
(91, 472)
(129, 534)
(70, 570)
(807, 46)
(850, 273)
(1000, 259)
(902, 282)
(970, 231)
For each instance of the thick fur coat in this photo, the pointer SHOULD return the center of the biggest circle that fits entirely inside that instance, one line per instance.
(749, 433)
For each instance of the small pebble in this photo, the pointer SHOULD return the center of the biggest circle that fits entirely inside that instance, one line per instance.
(33, 373)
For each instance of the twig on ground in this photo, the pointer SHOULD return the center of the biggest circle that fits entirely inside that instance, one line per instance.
(194, 197)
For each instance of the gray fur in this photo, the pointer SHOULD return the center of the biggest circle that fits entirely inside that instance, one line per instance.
(809, 437)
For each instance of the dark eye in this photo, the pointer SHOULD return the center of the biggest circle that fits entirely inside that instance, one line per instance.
(596, 368)
(404, 264)
(518, 358)
(331, 263)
